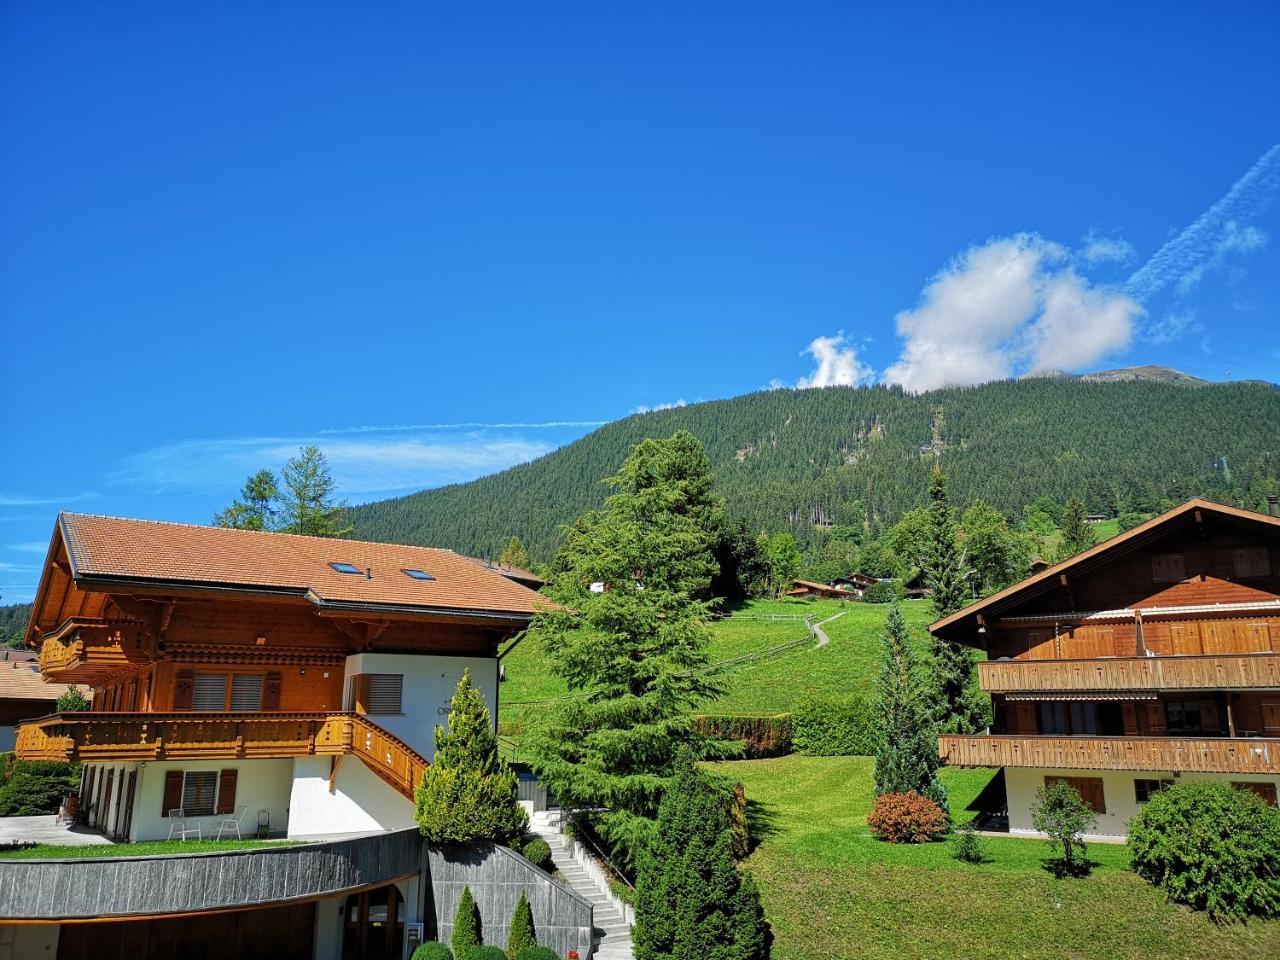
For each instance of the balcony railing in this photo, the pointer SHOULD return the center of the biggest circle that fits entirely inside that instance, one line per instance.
(92, 651)
(1194, 754)
(1243, 671)
(209, 736)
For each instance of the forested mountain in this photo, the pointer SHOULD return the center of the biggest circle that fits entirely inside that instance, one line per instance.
(13, 623)
(802, 459)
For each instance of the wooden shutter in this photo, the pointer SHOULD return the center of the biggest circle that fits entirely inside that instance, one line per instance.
(184, 690)
(172, 792)
(271, 692)
(1185, 639)
(1267, 791)
(127, 827)
(1089, 788)
(1155, 718)
(1130, 713)
(1208, 716)
(227, 792)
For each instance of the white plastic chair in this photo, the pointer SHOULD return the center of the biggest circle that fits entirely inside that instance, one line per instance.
(178, 824)
(231, 823)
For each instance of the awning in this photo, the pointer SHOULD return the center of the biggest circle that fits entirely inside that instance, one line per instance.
(1053, 695)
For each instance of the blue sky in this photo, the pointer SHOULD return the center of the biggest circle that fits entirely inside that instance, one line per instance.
(442, 239)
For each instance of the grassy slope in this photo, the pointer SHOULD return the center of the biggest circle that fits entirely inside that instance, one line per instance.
(151, 848)
(831, 891)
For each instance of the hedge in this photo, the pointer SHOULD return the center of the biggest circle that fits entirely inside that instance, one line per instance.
(761, 736)
(835, 728)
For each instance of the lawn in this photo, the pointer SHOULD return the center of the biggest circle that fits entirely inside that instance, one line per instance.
(152, 848)
(832, 891)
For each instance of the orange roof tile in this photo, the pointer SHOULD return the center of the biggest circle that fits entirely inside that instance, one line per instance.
(113, 548)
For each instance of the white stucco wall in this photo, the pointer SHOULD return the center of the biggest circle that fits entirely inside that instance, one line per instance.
(1021, 785)
(260, 785)
(429, 683)
(360, 802)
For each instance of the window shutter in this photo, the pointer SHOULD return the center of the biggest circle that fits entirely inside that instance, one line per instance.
(1155, 718)
(227, 792)
(246, 691)
(172, 792)
(384, 691)
(1208, 716)
(271, 692)
(184, 690)
(210, 692)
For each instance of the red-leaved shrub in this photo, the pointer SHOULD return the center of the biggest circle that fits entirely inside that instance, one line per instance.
(907, 818)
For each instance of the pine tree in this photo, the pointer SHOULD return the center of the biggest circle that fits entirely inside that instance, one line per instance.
(1076, 535)
(906, 744)
(634, 656)
(468, 793)
(466, 926)
(514, 554)
(521, 933)
(255, 509)
(692, 902)
(307, 503)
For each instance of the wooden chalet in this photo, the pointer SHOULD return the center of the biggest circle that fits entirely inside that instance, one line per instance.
(804, 589)
(856, 584)
(1150, 658)
(284, 686)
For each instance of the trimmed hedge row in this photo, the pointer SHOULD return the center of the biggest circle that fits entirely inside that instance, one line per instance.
(835, 728)
(761, 736)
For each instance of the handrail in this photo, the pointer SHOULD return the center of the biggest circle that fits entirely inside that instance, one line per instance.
(1194, 754)
(1221, 671)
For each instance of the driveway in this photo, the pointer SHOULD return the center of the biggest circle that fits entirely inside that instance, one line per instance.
(45, 830)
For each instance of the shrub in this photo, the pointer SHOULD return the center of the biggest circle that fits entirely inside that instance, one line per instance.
(738, 823)
(968, 846)
(520, 935)
(881, 592)
(538, 852)
(485, 953)
(29, 788)
(762, 736)
(907, 818)
(537, 953)
(1061, 812)
(1212, 847)
(466, 927)
(432, 951)
(72, 699)
(835, 728)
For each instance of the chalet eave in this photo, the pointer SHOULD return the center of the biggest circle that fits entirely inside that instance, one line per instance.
(1241, 671)
(1175, 754)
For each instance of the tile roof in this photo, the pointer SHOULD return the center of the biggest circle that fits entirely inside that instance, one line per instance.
(153, 551)
(20, 680)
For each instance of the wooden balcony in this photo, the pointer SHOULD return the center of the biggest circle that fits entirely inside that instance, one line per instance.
(1243, 671)
(92, 651)
(88, 737)
(1192, 754)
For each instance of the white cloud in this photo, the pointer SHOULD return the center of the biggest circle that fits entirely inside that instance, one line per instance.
(1172, 326)
(1106, 250)
(1077, 324)
(836, 364)
(18, 500)
(661, 406)
(1221, 230)
(33, 546)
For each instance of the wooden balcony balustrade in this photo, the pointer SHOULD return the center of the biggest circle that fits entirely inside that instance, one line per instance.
(1244, 671)
(208, 736)
(91, 651)
(1192, 754)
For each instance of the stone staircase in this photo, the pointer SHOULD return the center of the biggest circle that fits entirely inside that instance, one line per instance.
(612, 937)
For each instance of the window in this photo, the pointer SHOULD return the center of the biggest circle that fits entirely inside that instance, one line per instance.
(1191, 716)
(1144, 790)
(416, 574)
(1251, 562)
(246, 691)
(210, 692)
(1168, 567)
(345, 567)
(199, 791)
(1079, 718)
(378, 693)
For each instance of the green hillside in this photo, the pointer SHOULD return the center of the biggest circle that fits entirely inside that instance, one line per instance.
(790, 458)
(13, 623)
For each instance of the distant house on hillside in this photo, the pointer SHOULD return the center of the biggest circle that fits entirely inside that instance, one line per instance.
(855, 583)
(526, 578)
(1096, 518)
(804, 589)
(24, 694)
(914, 587)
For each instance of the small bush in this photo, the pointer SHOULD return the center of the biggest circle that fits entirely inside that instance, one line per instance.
(72, 699)
(968, 846)
(538, 852)
(466, 927)
(762, 736)
(29, 788)
(537, 953)
(520, 935)
(432, 951)
(835, 728)
(1060, 812)
(1212, 847)
(485, 953)
(907, 818)
(739, 826)
(881, 592)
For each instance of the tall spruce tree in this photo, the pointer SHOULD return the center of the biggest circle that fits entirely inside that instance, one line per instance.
(634, 655)
(468, 792)
(906, 734)
(692, 902)
(946, 573)
(255, 508)
(1077, 537)
(307, 503)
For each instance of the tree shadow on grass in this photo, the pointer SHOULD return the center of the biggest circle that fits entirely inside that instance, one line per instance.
(762, 822)
(1076, 869)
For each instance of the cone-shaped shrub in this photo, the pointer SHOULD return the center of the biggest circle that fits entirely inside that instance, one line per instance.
(521, 933)
(466, 926)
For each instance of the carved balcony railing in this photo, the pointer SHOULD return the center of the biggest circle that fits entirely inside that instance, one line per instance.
(92, 651)
(1194, 754)
(1242, 671)
(206, 736)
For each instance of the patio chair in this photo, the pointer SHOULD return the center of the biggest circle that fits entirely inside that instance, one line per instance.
(178, 824)
(231, 823)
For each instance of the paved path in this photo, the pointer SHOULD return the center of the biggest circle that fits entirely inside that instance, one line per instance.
(44, 829)
(612, 937)
(819, 633)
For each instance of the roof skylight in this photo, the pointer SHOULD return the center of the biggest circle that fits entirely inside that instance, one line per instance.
(345, 567)
(416, 574)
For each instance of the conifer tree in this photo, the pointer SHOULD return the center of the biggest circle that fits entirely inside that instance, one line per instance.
(514, 554)
(1076, 535)
(692, 902)
(307, 503)
(466, 926)
(255, 509)
(468, 792)
(633, 656)
(521, 933)
(906, 741)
